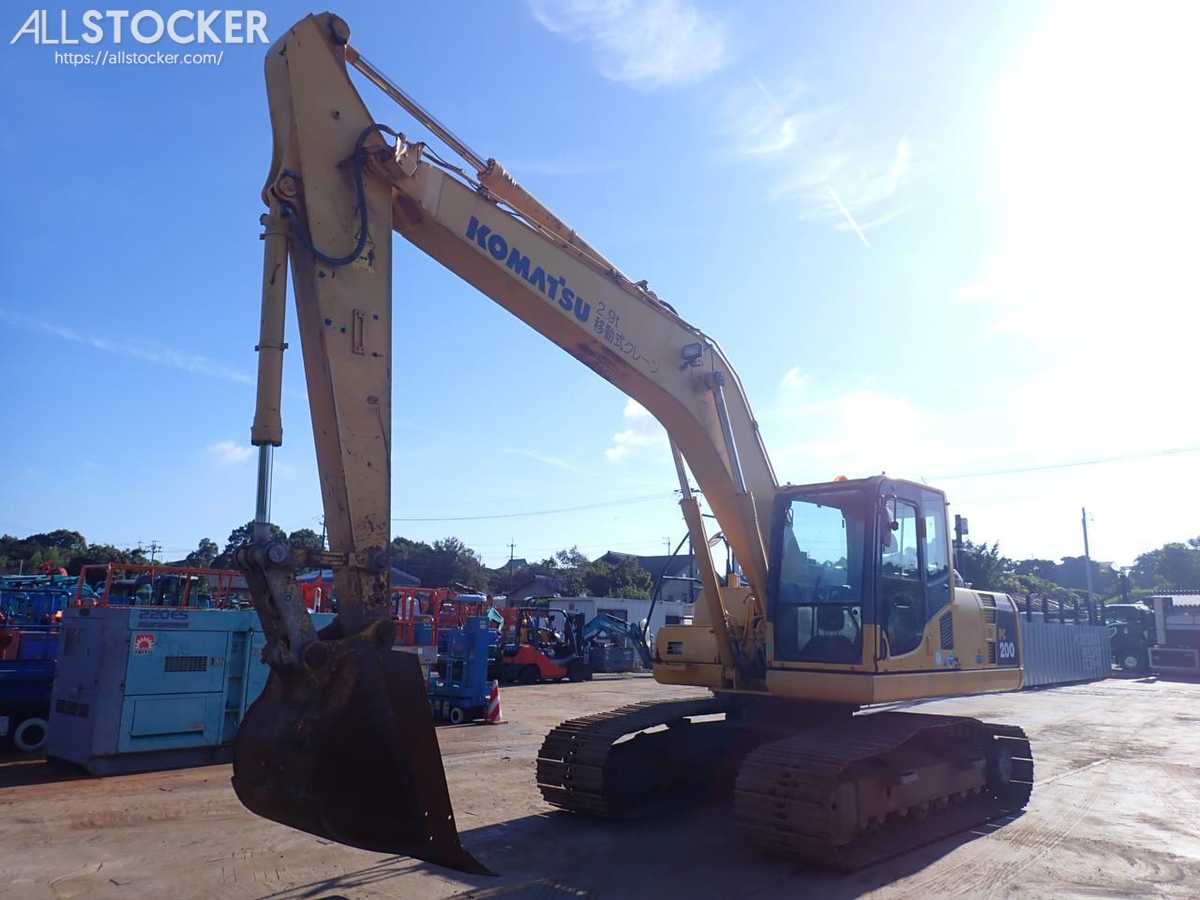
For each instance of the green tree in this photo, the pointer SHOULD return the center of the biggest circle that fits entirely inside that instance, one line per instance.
(305, 539)
(97, 554)
(981, 566)
(243, 534)
(444, 563)
(204, 554)
(568, 567)
(1172, 566)
(624, 578)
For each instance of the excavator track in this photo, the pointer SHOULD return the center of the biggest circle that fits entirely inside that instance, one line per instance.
(584, 766)
(850, 794)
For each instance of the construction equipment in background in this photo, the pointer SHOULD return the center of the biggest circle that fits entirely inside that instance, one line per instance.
(612, 644)
(27, 663)
(841, 597)
(1160, 635)
(1131, 633)
(459, 687)
(1176, 647)
(134, 584)
(140, 687)
(34, 600)
(541, 643)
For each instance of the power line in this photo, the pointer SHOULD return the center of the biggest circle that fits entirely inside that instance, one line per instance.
(1100, 460)
(539, 512)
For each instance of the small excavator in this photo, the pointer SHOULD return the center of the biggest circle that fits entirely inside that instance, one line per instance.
(843, 596)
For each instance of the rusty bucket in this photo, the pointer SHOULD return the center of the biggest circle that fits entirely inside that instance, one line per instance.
(344, 747)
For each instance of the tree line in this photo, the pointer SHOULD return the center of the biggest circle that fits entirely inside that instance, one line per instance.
(445, 562)
(1173, 566)
(450, 562)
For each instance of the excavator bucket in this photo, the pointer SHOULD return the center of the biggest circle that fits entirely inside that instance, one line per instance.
(344, 748)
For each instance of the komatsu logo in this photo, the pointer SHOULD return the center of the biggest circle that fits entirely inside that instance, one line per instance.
(146, 26)
(553, 287)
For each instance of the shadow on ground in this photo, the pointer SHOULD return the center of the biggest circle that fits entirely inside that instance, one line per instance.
(558, 855)
(21, 770)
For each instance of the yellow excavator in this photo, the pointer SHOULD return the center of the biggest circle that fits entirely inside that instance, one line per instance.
(843, 595)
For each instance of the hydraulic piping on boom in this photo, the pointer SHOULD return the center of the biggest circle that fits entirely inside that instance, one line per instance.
(843, 596)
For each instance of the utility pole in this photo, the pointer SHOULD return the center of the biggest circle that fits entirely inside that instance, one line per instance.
(1087, 555)
(667, 541)
(154, 548)
(512, 549)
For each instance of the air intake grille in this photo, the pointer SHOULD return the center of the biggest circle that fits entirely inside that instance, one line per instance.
(988, 602)
(185, 664)
(991, 653)
(946, 626)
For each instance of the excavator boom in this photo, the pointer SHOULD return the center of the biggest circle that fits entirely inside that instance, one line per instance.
(842, 595)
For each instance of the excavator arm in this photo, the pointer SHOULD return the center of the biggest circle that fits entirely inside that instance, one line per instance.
(341, 743)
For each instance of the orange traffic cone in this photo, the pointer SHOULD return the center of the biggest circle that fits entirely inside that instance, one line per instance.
(494, 714)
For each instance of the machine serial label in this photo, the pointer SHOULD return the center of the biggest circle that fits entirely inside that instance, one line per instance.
(164, 618)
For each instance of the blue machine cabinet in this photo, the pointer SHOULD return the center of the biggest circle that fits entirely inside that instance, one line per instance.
(142, 688)
(459, 688)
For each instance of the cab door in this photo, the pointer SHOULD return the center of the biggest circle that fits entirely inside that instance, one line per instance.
(914, 575)
(901, 579)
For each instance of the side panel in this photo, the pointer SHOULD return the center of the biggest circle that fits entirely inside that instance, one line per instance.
(981, 633)
(836, 687)
(171, 722)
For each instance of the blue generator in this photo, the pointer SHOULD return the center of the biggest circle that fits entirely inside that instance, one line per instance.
(143, 688)
(459, 688)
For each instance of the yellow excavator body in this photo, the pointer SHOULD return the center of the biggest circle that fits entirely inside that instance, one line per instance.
(842, 596)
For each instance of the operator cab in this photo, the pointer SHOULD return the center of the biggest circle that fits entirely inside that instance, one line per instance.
(854, 554)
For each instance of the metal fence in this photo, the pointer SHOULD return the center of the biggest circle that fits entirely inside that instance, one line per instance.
(1060, 653)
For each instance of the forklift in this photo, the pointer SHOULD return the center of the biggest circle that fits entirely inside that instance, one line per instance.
(533, 649)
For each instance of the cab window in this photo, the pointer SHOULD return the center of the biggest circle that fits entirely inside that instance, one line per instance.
(818, 610)
(901, 587)
(937, 562)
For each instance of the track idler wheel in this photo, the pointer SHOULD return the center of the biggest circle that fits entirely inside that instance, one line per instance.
(344, 747)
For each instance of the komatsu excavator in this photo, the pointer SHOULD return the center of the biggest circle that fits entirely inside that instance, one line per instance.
(843, 596)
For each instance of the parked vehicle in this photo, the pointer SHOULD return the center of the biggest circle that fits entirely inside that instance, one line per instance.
(533, 649)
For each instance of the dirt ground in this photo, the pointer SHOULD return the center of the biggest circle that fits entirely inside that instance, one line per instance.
(1116, 812)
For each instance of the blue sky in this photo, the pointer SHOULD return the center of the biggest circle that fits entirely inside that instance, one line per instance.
(936, 239)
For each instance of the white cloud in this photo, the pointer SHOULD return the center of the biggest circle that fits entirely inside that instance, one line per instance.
(644, 43)
(641, 430)
(230, 453)
(818, 161)
(794, 380)
(134, 348)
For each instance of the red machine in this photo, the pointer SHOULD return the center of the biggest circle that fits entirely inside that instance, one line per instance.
(128, 584)
(532, 650)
